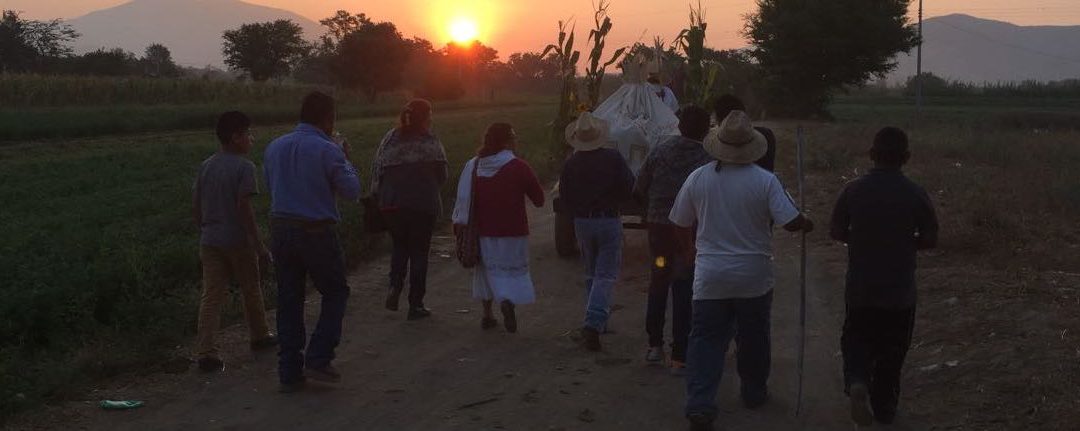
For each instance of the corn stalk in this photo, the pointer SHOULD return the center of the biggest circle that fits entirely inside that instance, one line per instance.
(700, 75)
(567, 58)
(594, 75)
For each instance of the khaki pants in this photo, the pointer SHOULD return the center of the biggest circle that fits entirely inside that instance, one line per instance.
(221, 266)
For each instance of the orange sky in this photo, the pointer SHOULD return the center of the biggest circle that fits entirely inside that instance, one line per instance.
(527, 25)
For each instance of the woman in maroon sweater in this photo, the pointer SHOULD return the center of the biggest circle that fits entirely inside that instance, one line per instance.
(502, 183)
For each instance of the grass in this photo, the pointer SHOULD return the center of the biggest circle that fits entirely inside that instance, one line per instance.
(100, 262)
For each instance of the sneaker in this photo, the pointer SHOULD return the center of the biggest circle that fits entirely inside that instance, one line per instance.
(392, 298)
(211, 365)
(270, 340)
(860, 405)
(655, 355)
(327, 374)
(678, 368)
(700, 422)
(591, 338)
(294, 387)
(509, 316)
(488, 323)
(417, 313)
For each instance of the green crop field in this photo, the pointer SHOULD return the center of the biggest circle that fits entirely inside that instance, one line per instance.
(100, 256)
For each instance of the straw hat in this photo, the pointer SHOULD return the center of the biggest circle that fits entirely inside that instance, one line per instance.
(587, 133)
(736, 141)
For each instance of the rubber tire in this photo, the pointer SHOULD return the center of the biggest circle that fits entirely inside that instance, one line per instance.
(565, 238)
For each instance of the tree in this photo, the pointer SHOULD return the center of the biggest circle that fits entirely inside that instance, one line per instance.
(340, 25)
(809, 49)
(24, 44)
(533, 66)
(264, 50)
(371, 59)
(106, 62)
(158, 61)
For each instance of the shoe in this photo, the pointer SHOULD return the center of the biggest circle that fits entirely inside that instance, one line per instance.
(860, 405)
(885, 417)
(487, 323)
(294, 387)
(509, 316)
(754, 402)
(327, 374)
(591, 338)
(392, 298)
(678, 368)
(700, 422)
(417, 313)
(211, 365)
(654, 356)
(270, 340)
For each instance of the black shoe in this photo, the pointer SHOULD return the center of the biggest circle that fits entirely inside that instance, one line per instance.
(885, 417)
(264, 343)
(487, 323)
(509, 316)
(294, 387)
(700, 422)
(591, 338)
(327, 374)
(211, 365)
(417, 313)
(860, 405)
(756, 400)
(392, 298)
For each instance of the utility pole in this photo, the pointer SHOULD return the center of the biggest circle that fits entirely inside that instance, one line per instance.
(918, 67)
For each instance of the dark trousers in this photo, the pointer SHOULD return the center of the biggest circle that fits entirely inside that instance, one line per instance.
(875, 343)
(299, 253)
(411, 233)
(669, 273)
(716, 323)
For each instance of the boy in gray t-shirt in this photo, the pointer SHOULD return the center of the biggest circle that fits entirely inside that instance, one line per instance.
(229, 242)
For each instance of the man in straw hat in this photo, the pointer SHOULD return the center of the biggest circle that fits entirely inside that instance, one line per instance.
(884, 218)
(733, 203)
(595, 181)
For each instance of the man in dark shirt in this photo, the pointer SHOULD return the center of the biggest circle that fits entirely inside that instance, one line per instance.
(595, 182)
(884, 218)
(727, 103)
(661, 177)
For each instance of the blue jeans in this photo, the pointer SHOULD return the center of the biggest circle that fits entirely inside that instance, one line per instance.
(601, 251)
(300, 252)
(716, 322)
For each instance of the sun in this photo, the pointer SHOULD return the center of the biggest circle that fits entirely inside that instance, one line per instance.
(463, 30)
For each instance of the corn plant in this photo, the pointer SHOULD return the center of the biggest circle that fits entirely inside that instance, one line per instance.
(567, 58)
(594, 75)
(700, 75)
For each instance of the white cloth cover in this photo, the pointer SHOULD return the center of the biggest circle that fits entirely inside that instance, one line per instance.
(489, 166)
(639, 119)
(503, 272)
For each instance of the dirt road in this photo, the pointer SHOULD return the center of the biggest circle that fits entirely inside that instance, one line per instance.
(446, 374)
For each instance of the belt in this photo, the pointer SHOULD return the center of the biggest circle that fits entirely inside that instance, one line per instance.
(597, 214)
(302, 224)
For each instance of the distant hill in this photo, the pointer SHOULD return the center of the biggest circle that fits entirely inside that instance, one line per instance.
(976, 50)
(191, 29)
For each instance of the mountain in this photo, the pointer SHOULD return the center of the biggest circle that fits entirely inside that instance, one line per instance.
(971, 49)
(191, 29)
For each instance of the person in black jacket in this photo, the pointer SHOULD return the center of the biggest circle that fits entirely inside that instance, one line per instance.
(884, 218)
(595, 182)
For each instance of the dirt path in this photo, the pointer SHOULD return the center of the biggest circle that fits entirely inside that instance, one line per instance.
(447, 374)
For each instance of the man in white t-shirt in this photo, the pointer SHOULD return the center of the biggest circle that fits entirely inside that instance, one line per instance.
(733, 204)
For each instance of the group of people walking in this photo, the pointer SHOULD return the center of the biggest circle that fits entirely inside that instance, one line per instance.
(711, 203)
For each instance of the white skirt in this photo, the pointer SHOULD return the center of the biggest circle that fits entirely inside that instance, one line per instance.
(503, 272)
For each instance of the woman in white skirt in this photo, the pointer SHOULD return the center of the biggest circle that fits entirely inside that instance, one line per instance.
(499, 183)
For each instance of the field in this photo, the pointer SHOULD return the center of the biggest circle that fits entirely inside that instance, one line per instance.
(101, 270)
(100, 256)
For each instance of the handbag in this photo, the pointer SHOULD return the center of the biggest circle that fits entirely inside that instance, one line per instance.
(468, 237)
(374, 222)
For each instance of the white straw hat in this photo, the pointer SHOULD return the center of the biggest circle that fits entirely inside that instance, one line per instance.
(587, 133)
(736, 141)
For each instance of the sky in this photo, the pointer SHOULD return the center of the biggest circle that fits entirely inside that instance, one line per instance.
(528, 25)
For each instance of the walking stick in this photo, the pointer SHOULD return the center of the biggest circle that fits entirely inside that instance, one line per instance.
(802, 273)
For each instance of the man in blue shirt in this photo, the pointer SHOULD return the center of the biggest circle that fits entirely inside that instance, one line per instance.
(306, 171)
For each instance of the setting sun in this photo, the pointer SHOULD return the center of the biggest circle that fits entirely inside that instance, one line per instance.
(463, 30)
